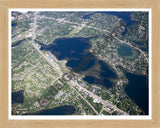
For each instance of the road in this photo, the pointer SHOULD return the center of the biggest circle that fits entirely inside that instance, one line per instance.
(34, 26)
(85, 100)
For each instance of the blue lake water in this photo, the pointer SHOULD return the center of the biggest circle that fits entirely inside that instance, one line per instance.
(66, 48)
(18, 97)
(137, 90)
(124, 50)
(61, 110)
(76, 52)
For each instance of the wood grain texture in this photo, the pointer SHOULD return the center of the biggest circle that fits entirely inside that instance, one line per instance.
(6, 4)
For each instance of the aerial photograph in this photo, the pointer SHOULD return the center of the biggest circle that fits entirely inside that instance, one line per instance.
(79, 63)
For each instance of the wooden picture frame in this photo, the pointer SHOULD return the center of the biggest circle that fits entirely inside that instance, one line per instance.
(4, 63)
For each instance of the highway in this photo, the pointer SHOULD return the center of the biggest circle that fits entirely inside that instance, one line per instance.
(86, 101)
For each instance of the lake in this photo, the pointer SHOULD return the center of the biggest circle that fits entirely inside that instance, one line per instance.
(137, 90)
(127, 52)
(18, 97)
(124, 50)
(61, 110)
(76, 52)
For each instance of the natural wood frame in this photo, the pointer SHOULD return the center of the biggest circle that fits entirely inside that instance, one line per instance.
(6, 4)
